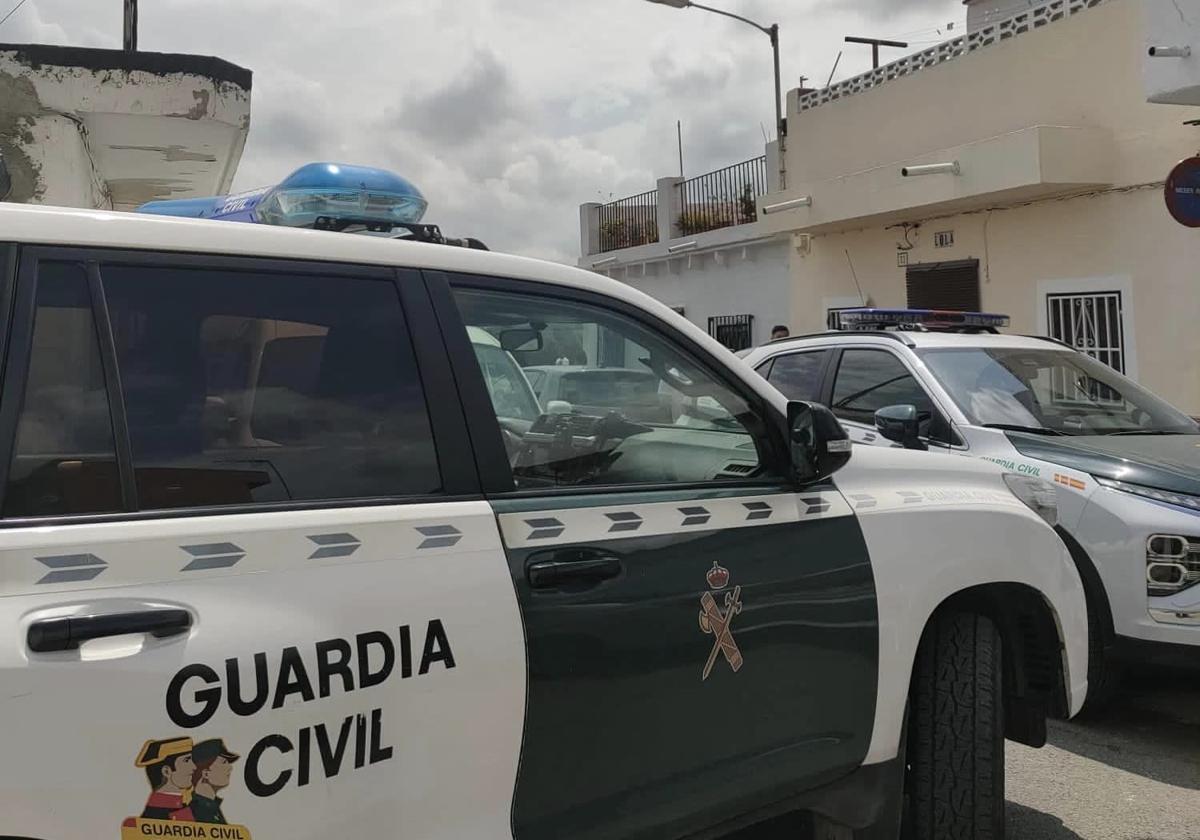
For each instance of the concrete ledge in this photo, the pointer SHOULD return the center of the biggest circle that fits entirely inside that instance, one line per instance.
(1035, 162)
(109, 129)
(217, 69)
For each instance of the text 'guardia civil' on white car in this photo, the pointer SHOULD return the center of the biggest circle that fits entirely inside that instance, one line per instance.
(1125, 463)
(291, 550)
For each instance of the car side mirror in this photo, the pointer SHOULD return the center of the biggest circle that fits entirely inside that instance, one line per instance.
(818, 444)
(521, 340)
(900, 424)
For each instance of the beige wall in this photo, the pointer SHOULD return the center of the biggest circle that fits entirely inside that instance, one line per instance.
(1110, 241)
(1085, 71)
(1082, 71)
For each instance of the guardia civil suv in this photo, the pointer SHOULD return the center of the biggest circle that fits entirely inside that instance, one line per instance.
(1124, 462)
(289, 550)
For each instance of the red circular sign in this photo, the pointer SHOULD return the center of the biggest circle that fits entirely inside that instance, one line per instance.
(1182, 192)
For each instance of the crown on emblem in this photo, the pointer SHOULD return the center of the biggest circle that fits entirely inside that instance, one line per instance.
(718, 576)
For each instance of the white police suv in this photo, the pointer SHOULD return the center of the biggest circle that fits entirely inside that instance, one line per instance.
(290, 551)
(1124, 462)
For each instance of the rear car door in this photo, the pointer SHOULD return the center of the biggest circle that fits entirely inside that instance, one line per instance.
(248, 587)
(702, 634)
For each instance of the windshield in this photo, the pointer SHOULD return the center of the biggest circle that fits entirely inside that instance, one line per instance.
(1059, 391)
(510, 391)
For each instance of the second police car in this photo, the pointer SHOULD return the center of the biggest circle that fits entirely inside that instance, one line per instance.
(289, 550)
(1125, 463)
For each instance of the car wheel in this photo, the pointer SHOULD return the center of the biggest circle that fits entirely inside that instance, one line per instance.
(955, 775)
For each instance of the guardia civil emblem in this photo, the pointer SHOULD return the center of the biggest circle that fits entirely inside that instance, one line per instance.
(715, 622)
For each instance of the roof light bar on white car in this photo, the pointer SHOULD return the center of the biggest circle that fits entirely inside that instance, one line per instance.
(323, 196)
(928, 319)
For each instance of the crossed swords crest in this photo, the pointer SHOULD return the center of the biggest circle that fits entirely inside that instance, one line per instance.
(715, 622)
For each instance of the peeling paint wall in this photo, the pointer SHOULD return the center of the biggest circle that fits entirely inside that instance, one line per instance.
(80, 136)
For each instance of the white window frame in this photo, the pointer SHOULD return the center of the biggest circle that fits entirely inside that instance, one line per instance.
(1122, 283)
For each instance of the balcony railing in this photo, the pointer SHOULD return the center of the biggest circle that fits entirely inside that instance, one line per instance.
(723, 198)
(629, 222)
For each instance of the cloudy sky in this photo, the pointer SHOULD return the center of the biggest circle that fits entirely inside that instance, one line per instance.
(507, 113)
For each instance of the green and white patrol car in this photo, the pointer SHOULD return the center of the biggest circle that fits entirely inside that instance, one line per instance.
(289, 551)
(1124, 462)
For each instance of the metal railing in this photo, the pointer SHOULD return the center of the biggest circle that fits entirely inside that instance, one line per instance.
(723, 198)
(629, 222)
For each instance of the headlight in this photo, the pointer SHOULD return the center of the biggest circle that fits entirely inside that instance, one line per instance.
(1039, 496)
(1180, 499)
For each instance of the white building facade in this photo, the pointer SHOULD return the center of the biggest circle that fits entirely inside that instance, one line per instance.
(1049, 152)
(1045, 193)
(698, 245)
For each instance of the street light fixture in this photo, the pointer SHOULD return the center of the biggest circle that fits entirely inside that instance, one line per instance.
(771, 32)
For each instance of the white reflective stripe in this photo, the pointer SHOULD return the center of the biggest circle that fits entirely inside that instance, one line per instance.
(99, 555)
(600, 522)
(865, 503)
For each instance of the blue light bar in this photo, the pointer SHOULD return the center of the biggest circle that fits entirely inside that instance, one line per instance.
(330, 190)
(932, 319)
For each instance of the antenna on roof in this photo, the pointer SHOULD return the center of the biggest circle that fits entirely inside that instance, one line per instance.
(854, 274)
(836, 62)
(131, 25)
(876, 43)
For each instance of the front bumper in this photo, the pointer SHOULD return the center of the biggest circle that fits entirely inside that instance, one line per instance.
(1113, 530)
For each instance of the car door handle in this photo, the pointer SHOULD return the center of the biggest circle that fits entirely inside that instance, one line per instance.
(572, 567)
(57, 634)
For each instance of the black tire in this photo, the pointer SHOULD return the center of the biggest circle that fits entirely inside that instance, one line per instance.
(955, 778)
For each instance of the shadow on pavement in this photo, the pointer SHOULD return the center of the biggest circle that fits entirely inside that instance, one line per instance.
(1022, 823)
(1152, 728)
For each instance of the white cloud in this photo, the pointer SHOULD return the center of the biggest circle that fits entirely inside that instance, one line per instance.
(507, 113)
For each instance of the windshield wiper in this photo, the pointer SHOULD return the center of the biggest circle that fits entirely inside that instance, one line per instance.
(1144, 432)
(1033, 430)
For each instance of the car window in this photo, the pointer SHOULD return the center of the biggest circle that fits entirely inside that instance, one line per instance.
(1049, 388)
(868, 380)
(798, 375)
(64, 460)
(244, 387)
(628, 407)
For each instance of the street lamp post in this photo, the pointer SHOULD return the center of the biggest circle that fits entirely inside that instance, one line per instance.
(771, 32)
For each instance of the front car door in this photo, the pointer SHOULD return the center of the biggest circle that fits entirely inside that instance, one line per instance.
(248, 481)
(863, 380)
(702, 635)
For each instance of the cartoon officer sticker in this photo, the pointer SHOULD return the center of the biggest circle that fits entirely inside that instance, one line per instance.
(214, 767)
(186, 779)
(169, 767)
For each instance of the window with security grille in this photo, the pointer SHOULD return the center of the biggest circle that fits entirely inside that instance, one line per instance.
(1092, 324)
(734, 331)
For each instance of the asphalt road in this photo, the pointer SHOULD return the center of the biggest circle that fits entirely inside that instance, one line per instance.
(1132, 773)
